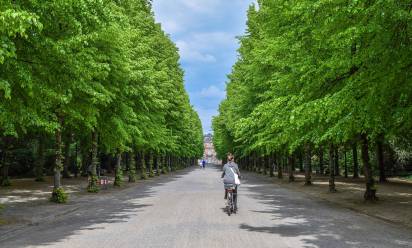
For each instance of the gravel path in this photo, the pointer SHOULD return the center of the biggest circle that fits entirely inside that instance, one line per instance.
(187, 210)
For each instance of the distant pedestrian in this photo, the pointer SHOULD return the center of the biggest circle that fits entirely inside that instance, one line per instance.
(203, 163)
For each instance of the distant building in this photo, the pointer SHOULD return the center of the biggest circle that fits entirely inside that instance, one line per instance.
(209, 153)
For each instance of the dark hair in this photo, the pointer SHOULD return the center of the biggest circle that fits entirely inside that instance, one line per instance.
(230, 156)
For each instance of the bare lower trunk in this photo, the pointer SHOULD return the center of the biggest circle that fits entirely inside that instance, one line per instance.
(169, 162)
(142, 162)
(118, 170)
(92, 168)
(67, 160)
(332, 187)
(156, 164)
(58, 166)
(5, 181)
(5, 160)
(321, 162)
(346, 165)
(380, 157)
(337, 169)
(38, 170)
(370, 193)
(164, 164)
(132, 167)
(308, 166)
(255, 162)
(291, 165)
(271, 165)
(355, 161)
(85, 162)
(150, 164)
(279, 167)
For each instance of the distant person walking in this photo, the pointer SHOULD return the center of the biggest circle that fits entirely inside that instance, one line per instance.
(203, 164)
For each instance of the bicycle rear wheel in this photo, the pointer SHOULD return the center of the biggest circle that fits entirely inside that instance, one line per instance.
(229, 203)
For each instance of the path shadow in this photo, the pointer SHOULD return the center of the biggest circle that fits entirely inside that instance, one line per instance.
(315, 223)
(88, 213)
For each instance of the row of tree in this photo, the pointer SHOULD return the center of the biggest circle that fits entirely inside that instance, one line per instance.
(316, 76)
(98, 75)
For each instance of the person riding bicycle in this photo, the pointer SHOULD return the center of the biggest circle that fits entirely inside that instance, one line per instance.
(228, 175)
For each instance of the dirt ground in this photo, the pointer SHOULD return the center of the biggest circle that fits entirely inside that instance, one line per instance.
(26, 193)
(394, 204)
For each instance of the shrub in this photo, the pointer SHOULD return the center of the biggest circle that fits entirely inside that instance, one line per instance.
(59, 196)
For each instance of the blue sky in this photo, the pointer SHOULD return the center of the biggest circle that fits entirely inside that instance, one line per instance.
(205, 32)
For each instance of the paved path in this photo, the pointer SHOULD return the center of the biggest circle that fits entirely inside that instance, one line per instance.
(186, 210)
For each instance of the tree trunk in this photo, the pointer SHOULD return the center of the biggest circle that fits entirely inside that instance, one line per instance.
(156, 164)
(5, 180)
(163, 162)
(143, 168)
(58, 194)
(291, 164)
(321, 162)
(279, 167)
(4, 160)
(301, 169)
(67, 159)
(150, 164)
(58, 166)
(76, 159)
(271, 165)
(132, 167)
(169, 162)
(355, 160)
(346, 164)
(337, 169)
(118, 169)
(92, 170)
(308, 166)
(381, 159)
(332, 187)
(255, 162)
(85, 158)
(38, 170)
(370, 193)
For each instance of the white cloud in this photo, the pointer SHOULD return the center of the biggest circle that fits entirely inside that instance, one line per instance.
(200, 6)
(205, 46)
(171, 27)
(212, 92)
(190, 53)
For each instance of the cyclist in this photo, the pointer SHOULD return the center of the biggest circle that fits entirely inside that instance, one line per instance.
(228, 175)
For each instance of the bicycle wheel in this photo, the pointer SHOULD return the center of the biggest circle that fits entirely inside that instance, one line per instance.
(234, 203)
(229, 203)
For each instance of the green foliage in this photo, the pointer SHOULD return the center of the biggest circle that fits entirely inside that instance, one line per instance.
(59, 196)
(317, 72)
(102, 67)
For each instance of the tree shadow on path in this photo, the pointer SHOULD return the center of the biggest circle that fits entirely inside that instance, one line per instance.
(313, 223)
(87, 213)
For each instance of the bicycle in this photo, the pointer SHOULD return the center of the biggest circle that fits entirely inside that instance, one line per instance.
(231, 206)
